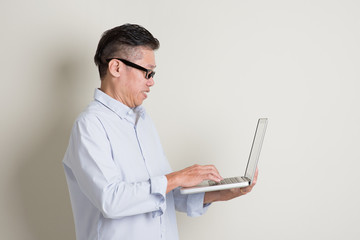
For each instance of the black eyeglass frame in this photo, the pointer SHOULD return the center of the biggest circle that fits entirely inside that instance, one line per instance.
(148, 72)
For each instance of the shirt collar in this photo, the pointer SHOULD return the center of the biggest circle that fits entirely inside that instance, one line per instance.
(118, 107)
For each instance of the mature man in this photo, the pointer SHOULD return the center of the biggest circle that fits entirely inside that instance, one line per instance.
(121, 185)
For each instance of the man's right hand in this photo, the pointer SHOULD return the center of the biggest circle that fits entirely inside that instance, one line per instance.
(192, 176)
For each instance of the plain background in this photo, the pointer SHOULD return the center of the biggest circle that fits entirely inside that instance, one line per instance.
(221, 66)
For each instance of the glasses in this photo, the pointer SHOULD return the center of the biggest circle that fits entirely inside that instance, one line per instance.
(149, 73)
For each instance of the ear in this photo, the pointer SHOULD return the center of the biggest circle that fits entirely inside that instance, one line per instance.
(114, 68)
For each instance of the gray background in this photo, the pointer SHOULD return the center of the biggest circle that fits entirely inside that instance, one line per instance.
(221, 66)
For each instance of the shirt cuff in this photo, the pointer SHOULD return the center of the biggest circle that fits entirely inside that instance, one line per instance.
(195, 205)
(158, 187)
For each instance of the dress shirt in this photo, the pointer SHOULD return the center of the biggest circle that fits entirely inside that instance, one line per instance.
(115, 169)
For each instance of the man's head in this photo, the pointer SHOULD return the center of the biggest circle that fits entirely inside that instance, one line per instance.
(126, 61)
(123, 42)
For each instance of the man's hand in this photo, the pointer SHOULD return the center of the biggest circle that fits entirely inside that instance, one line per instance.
(225, 195)
(192, 176)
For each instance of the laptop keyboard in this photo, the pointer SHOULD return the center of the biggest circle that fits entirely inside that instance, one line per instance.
(226, 181)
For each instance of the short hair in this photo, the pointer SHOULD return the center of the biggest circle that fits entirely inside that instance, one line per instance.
(120, 42)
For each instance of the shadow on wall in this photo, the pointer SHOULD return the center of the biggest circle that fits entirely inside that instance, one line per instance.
(41, 180)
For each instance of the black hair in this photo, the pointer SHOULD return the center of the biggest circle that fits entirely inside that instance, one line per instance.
(120, 41)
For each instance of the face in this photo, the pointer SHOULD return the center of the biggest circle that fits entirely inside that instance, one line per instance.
(135, 87)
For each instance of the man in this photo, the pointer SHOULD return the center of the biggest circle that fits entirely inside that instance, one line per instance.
(121, 185)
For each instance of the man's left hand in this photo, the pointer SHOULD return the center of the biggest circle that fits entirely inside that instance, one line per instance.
(225, 195)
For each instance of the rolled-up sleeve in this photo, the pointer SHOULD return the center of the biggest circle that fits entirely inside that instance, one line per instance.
(158, 188)
(192, 204)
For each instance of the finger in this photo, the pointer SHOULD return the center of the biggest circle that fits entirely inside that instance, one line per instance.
(255, 177)
(210, 176)
(213, 170)
(208, 171)
(256, 174)
(246, 190)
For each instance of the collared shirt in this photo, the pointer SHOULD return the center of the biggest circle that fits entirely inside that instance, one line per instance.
(115, 169)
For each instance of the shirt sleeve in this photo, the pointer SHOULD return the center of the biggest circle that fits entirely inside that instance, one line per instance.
(192, 204)
(89, 157)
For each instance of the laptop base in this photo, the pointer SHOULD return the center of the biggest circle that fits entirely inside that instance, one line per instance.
(206, 187)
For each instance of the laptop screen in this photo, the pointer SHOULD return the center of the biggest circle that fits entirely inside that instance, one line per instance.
(256, 148)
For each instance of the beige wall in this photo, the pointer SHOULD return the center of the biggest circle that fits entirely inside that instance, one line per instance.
(221, 65)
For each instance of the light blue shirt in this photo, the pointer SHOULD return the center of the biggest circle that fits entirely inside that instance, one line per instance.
(115, 169)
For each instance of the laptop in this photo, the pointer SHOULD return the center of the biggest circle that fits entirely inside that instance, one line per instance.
(240, 181)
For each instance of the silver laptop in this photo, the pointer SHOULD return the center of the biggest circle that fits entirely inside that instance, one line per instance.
(241, 181)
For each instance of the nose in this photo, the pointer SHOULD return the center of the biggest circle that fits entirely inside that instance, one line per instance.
(150, 82)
